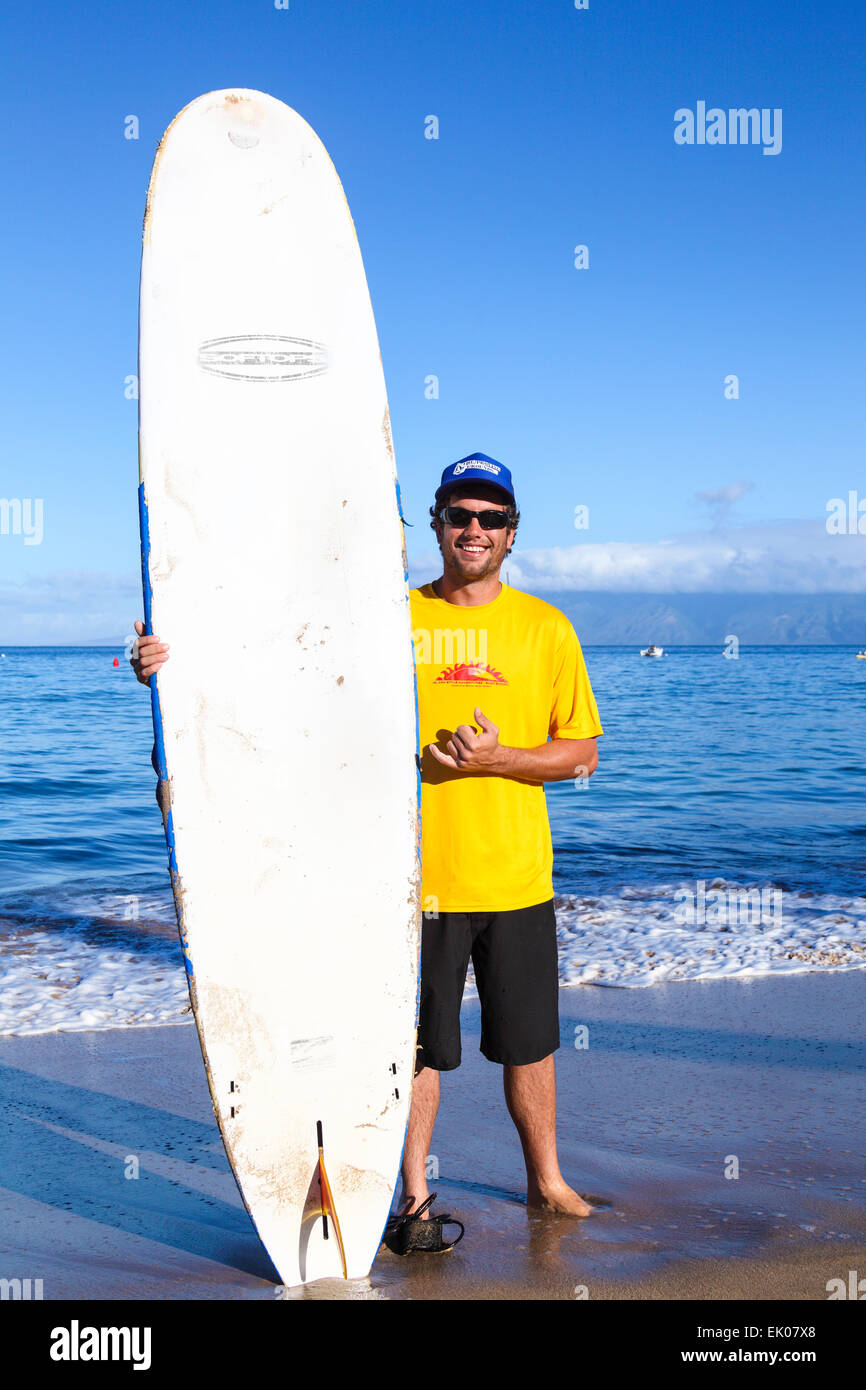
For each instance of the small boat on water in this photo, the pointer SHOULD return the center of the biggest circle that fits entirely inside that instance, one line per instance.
(652, 650)
(861, 656)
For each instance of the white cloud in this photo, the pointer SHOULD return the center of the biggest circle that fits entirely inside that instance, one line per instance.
(797, 557)
(68, 607)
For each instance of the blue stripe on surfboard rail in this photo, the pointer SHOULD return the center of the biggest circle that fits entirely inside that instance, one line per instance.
(158, 735)
(417, 843)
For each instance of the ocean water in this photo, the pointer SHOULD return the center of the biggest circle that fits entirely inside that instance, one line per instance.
(728, 791)
(723, 833)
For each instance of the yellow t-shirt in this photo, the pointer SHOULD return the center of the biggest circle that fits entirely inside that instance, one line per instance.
(485, 839)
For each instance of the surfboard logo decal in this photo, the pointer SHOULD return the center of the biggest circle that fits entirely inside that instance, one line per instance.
(263, 357)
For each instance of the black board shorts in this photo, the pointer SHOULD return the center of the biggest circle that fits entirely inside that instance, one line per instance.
(514, 956)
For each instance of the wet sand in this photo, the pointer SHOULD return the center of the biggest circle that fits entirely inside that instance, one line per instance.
(677, 1082)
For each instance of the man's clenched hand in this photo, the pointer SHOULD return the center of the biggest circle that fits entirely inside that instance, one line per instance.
(148, 654)
(471, 751)
(558, 760)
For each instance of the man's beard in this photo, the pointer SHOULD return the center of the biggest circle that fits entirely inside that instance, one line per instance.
(468, 568)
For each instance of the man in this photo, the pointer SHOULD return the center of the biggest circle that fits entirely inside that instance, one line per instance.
(487, 857)
(487, 888)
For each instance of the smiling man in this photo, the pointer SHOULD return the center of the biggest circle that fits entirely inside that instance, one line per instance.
(504, 705)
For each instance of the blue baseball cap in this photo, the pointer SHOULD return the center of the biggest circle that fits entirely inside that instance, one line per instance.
(476, 468)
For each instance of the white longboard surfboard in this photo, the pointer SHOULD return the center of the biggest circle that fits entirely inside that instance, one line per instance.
(286, 721)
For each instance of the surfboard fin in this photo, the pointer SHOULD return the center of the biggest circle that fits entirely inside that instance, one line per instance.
(327, 1199)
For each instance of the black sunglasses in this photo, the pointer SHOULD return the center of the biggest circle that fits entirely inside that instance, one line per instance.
(461, 516)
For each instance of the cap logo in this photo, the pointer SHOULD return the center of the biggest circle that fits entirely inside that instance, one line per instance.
(476, 463)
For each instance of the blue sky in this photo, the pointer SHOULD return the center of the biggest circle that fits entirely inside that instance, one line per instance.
(601, 387)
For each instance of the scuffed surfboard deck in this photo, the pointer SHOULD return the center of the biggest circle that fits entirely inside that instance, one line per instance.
(273, 562)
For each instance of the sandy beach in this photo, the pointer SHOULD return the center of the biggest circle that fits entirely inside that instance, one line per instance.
(677, 1082)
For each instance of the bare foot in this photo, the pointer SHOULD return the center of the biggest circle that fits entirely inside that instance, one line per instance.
(561, 1198)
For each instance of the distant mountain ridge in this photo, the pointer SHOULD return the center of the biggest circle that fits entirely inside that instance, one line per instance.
(623, 619)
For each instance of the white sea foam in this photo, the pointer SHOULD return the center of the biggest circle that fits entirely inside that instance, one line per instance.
(100, 969)
(638, 936)
(51, 983)
(635, 937)
(123, 974)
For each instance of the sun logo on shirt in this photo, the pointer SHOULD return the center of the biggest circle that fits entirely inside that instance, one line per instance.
(471, 673)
